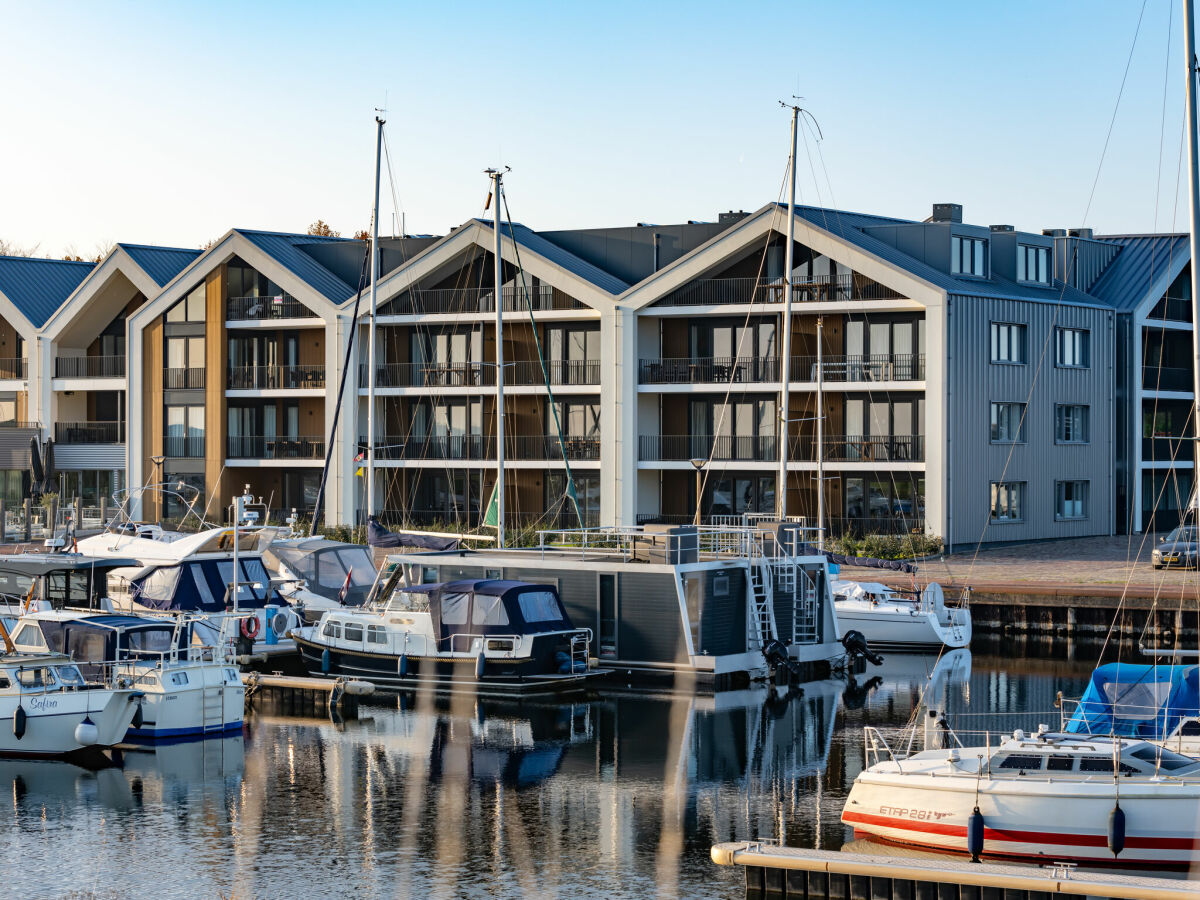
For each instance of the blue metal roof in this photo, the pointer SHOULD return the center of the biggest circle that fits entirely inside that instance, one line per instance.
(557, 255)
(37, 287)
(288, 251)
(850, 227)
(160, 263)
(1143, 261)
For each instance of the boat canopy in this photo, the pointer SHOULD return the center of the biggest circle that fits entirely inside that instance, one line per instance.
(325, 565)
(99, 639)
(1138, 701)
(489, 607)
(65, 579)
(202, 585)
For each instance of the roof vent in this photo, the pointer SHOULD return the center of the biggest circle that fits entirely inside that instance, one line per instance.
(1054, 232)
(1001, 228)
(646, 225)
(947, 212)
(728, 218)
(1085, 233)
(698, 222)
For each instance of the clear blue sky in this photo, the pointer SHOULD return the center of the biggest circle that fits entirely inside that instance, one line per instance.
(170, 123)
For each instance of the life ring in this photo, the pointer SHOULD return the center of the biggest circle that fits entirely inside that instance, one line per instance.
(250, 627)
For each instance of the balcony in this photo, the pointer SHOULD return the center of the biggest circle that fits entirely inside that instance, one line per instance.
(724, 448)
(1164, 378)
(548, 447)
(275, 447)
(520, 373)
(89, 367)
(457, 301)
(745, 291)
(559, 371)
(183, 379)
(410, 447)
(861, 448)
(708, 370)
(13, 368)
(835, 525)
(868, 368)
(178, 447)
(1167, 448)
(268, 378)
(263, 309)
(89, 433)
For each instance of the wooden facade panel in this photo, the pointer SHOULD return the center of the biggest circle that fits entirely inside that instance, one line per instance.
(152, 406)
(216, 353)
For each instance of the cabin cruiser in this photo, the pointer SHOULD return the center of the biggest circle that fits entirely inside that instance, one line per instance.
(194, 574)
(1159, 703)
(901, 620)
(189, 690)
(481, 635)
(316, 575)
(49, 710)
(1047, 796)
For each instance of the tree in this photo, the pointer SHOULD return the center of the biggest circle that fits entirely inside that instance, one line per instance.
(362, 235)
(8, 248)
(322, 228)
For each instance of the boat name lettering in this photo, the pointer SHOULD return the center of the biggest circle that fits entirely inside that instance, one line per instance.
(918, 814)
(41, 703)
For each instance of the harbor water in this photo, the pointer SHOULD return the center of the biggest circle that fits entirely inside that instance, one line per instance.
(619, 796)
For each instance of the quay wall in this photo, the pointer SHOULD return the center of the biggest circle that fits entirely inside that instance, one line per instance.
(1083, 612)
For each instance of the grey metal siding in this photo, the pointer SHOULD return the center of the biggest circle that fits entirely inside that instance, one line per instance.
(14, 447)
(649, 628)
(974, 383)
(98, 456)
(723, 619)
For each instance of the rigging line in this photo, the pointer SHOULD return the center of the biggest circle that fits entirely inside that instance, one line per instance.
(537, 343)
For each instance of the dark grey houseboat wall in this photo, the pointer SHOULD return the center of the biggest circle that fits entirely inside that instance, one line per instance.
(1038, 461)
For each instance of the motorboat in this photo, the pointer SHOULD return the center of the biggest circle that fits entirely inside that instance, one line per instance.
(1153, 702)
(190, 690)
(892, 619)
(316, 575)
(49, 710)
(481, 635)
(1048, 796)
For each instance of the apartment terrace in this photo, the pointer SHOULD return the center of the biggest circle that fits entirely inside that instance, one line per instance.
(276, 378)
(522, 373)
(764, 448)
(465, 301)
(859, 369)
(478, 447)
(89, 367)
(307, 448)
(89, 433)
(809, 289)
(240, 310)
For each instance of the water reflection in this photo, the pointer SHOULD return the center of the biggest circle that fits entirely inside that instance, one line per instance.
(619, 796)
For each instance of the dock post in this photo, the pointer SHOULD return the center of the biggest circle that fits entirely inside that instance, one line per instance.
(1070, 620)
(103, 512)
(51, 519)
(3, 518)
(78, 513)
(28, 504)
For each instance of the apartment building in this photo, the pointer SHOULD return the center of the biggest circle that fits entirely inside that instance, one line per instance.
(975, 382)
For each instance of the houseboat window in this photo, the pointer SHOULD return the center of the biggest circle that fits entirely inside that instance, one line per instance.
(1024, 761)
(407, 601)
(67, 588)
(539, 606)
(69, 675)
(1164, 759)
(332, 629)
(376, 634)
(30, 636)
(153, 640)
(354, 632)
(1060, 763)
(488, 611)
(454, 609)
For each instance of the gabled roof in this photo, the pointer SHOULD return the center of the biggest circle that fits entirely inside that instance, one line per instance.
(37, 287)
(530, 239)
(851, 227)
(288, 251)
(160, 263)
(1145, 261)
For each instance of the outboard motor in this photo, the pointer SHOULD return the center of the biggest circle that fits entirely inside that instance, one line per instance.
(856, 648)
(776, 655)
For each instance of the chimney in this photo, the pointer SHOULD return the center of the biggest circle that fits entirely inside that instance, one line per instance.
(1085, 233)
(947, 212)
(1054, 232)
(728, 218)
(1001, 228)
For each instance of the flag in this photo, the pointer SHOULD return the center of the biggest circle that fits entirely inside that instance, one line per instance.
(491, 515)
(345, 591)
(278, 298)
(359, 472)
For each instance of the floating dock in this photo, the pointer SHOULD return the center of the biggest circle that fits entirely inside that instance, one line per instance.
(788, 872)
(298, 694)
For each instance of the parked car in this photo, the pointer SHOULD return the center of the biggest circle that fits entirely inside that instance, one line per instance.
(1179, 547)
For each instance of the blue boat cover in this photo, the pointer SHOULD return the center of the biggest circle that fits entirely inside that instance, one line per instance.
(378, 536)
(1137, 701)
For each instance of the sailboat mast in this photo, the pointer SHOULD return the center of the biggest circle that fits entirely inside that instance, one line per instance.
(820, 436)
(1189, 42)
(785, 362)
(497, 179)
(371, 326)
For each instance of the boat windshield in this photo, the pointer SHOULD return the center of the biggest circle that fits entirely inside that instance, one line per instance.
(69, 675)
(408, 601)
(149, 640)
(1163, 759)
(334, 565)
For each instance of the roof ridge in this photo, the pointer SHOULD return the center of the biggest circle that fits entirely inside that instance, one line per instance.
(127, 245)
(51, 259)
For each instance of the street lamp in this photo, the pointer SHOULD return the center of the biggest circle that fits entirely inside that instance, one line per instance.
(699, 464)
(158, 464)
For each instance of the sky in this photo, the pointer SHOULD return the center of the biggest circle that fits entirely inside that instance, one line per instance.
(170, 123)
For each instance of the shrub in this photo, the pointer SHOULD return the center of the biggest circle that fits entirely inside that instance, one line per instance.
(887, 546)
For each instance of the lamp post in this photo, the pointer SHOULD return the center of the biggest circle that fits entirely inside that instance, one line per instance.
(699, 465)
(158, 464)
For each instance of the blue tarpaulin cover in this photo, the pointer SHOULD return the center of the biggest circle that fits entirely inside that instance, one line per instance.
(1139, 701)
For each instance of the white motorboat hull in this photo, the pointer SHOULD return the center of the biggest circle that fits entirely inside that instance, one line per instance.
(1032, 818)
(51, 719)
(189, 700)
(889, 626)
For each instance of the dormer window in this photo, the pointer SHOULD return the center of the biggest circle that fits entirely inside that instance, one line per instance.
(968, 256)
(1033, 264)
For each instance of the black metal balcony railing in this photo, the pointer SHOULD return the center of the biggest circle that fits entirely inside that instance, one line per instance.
(89, 433)
(262, 308)
(708, 370)
(519, 373)
(869, 367)
(541, 298)
(183, 379)
(809, 289)
(12, 367)
(861, 448)
(559, 371)
(183, 447)
(19, 423)
(409, 447)
(1167, 448)
(275, 447)
(89, 367)
(242, 378)
(836, 525)
(724, 448)
(1166, 378)
(548, 447)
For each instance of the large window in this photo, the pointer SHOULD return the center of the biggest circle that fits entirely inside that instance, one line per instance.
(587, 492)
(1070, 499)
(1071, 423)
(1033, 264)
(968, 256)
(1008, 343)
(190, 308)
(1008, 501)
(185, 431)
(184, 489)
(89, 485)
(1008, 423)
(1071, 348)
(577, 419)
